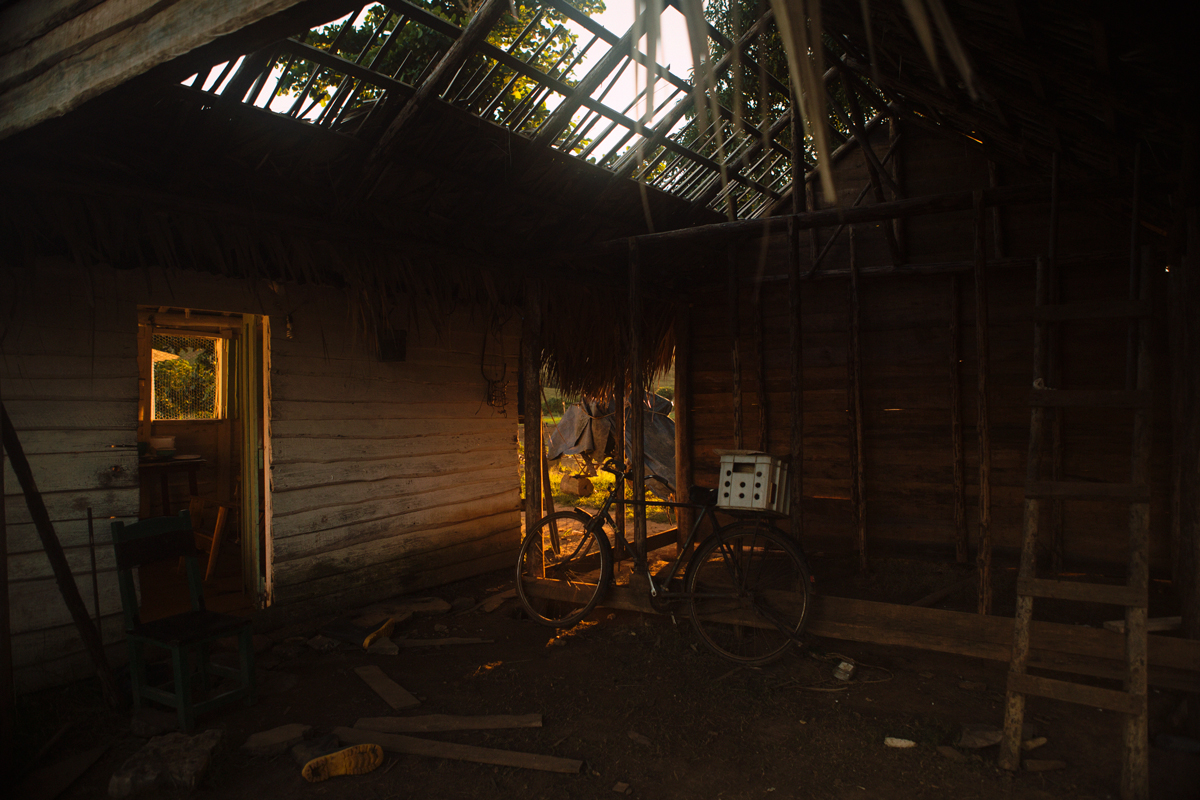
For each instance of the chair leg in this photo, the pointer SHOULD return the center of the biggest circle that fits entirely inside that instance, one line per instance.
(202, 668)
(137, 671)
(183, 689)
(246, 658)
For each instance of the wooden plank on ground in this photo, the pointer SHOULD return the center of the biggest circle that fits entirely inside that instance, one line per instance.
(396, 743)
(393, 693)
(1174, 662)
(448, 722)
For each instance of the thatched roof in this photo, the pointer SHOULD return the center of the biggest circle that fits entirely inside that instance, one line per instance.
(427, 188)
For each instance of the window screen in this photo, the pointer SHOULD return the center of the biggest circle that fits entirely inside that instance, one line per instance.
(187, 377)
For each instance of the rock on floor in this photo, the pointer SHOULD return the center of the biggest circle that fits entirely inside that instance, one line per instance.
(175, 759)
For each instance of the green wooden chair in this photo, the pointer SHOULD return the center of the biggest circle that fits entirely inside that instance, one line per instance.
(188, 635)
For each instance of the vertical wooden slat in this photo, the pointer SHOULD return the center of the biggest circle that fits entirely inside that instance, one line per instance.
(1014, 710)
(858, 484)
(760, 346)
(983, 556)
(637, 403)
(685, 517)
(796, 352)
(531, 357)
(735, 343)
(1055, 375)
(961, 543)
(547, 490)
(620, 395)
(8, 699)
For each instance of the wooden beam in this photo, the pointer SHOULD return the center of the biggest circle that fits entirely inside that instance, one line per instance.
(64, 78)
(25, 20)
(464, 46)
(1055, 646)
(58, 560)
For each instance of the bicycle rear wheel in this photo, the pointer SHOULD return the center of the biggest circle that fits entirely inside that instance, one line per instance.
(560, 583)
(750, 589)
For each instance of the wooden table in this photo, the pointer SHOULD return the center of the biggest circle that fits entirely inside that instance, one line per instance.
(164, 468)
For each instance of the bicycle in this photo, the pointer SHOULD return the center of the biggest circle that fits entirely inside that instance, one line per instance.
(747, 585)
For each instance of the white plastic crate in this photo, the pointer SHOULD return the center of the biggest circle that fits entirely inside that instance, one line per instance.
(753, 480)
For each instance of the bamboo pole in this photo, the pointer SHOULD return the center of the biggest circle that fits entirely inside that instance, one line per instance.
(547, 491)
(897, 175)
(684, 517)
(997, 212)
(58, 561)
(983, 556)
(760, 346)
(858, 483)
(962, 547)
(735, 341)
(637, 403)
(620, 394)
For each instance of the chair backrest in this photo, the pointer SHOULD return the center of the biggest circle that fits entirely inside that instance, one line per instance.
(150, 541)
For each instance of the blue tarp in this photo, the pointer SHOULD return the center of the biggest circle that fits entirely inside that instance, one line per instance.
(586, 429)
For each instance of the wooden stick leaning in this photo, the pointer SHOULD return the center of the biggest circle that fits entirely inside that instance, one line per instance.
(58, 561)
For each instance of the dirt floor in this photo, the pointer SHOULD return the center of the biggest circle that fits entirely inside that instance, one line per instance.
(640, 701)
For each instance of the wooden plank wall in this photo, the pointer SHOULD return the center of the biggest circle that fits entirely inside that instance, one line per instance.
(68, 377)
(905, 351)
(387, 476)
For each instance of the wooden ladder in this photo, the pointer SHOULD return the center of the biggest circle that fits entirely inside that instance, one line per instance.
(1131, 701)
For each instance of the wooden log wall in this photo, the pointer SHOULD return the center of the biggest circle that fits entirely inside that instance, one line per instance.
(908, 436)
(387, 477)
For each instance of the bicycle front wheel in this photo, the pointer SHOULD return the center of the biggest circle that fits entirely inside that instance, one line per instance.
(750, 592)
(560, 579)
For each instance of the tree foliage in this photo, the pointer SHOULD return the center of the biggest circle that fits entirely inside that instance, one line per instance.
(415, 48)
(185, 387)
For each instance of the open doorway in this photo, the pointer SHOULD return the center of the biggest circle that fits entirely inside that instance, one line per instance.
(203, 436)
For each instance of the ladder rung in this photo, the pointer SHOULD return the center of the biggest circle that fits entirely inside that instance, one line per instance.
(1094, 398)
(1078, 590)
(1087, 489)
(1113, 309)
(1109, 699)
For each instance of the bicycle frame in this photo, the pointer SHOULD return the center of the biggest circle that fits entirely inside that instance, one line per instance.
(671, 571)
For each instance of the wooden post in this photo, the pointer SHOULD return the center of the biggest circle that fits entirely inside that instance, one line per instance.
(619, 396)
(735, 337)
(1014, 713)
(897, 174)
(764, 436)
(997, 227)
(531, 359)
(547, 490)
(1054, 378)
(858, 483)
(8, 707)
(962, 546)
(637, 403)
(983, 556)
(685, 517)
(58, 560)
